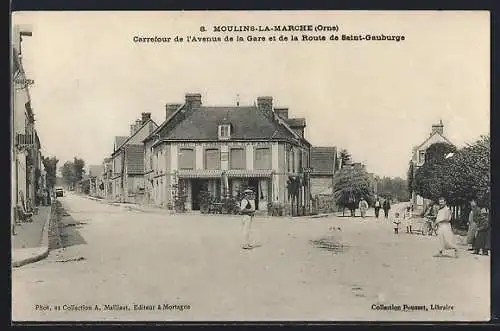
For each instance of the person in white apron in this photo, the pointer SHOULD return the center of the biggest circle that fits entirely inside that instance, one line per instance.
(445, 234)
(247, 209)
(363, 206)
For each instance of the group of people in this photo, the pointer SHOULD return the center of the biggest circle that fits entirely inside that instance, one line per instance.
(478, 234)
(363, 207)
(440, 215)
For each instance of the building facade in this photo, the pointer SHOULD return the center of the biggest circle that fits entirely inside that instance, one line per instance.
(26, 158)
(418, 156)
(224, 150)
(127, 162)
(95, 180)
(324, 165)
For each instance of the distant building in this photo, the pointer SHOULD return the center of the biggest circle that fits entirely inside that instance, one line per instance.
(324, 163)
(95, 177)
(127, 161)
(223, 150)
(418, 155)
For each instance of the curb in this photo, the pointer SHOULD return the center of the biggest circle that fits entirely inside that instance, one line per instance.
(43, 250)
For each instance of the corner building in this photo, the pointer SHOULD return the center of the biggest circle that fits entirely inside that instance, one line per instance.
(224, 150)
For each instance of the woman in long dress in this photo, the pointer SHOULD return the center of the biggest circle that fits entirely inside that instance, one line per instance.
(445, 234)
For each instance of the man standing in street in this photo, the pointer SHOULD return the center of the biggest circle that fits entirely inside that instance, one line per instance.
(446, 236)
(474, 217)
(386, 206)
(377, 206)
(247, 209)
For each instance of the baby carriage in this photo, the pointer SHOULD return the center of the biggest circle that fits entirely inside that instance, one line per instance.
(431, 227)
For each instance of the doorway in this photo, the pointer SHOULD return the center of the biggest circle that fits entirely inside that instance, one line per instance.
(253, 184)
(197, 186)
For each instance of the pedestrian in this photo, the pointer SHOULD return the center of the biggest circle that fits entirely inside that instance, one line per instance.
(407, 217)
(481, 241)
(363, 206)
(474, 217)
(443, 221)
(386, 207)
(396, 221)
(247, 209)
(352, 206)
(377, 206)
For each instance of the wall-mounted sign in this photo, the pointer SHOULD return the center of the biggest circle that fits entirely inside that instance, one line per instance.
(24, 81)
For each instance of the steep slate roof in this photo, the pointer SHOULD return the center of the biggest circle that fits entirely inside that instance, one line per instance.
(432, 135)
(135, 159)
(247, 123)
(167, 121)
(95, 170)
(119, 140)
(296, 122)
(136, 131)
(323, 160)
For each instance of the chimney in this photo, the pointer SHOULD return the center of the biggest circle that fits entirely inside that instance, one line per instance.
(265, 104)
(145, 117)
(193, 100)
(282, 112)
(138, 124)
(438, 128)
(132, 129)
(171, 108)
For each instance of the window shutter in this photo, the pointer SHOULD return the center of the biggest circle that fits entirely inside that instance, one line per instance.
(237, 158)
(212, 159)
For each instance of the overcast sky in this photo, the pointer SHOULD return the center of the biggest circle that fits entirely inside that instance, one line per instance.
(376, 99)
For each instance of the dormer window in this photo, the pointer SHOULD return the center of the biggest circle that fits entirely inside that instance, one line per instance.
(224, 131)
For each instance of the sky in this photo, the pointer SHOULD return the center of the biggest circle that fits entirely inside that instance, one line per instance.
(377, 99)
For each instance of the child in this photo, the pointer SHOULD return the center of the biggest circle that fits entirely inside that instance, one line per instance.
(407, 217)
(396, 222)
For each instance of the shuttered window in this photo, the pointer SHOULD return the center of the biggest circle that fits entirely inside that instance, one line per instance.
(212, 159)
(262, 158)
(186, 158)
(238, 160)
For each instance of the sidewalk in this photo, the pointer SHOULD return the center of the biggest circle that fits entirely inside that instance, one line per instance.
(30, 244)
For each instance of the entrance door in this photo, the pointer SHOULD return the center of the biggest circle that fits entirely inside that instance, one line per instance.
(197, 186)
(253, 183)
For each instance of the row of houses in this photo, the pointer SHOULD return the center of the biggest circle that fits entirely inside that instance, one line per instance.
(219, 150)
(28, 172)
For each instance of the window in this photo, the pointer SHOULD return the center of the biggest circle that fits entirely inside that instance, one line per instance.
(224, 131)
(186, 158)
(291, 161)
(300, 160)
(262, 158)
(237, 158)
(421, 156)
(212, 158)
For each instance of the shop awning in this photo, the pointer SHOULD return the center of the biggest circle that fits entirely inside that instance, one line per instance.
(230, 173)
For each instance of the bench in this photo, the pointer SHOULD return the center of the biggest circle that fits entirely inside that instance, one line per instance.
(22, 215)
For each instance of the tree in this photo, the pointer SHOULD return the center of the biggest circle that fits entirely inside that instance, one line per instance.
(350, 184)
(345, 157)
(78, 165)
(67, 171)
(460, 178)
(436, 153)
(410, 179)
(50, 165)
(73, 172)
